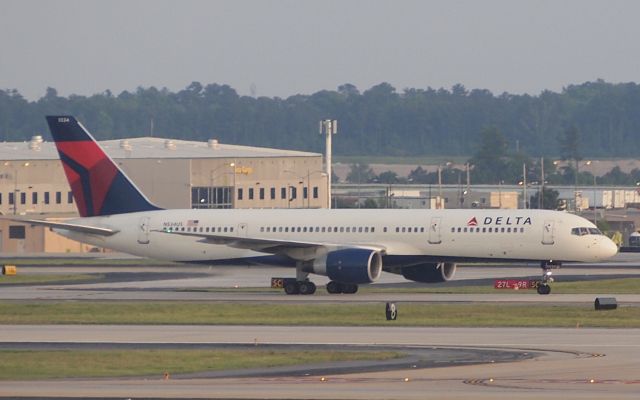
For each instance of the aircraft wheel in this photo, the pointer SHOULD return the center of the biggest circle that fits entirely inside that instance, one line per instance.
(307, 287)
(544, 289)
(334, 287)
(349, 288)
(292, 288)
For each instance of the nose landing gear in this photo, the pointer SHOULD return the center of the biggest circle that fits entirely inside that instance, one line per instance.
(544, 286)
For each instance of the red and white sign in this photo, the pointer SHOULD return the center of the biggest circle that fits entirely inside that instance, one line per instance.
(514, 284)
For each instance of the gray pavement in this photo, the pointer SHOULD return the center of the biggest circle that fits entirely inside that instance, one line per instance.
(577, 363)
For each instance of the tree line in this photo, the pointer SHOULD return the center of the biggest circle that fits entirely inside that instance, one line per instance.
(381, 120)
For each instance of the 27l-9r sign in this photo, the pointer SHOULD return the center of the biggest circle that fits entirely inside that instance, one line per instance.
(515, 284)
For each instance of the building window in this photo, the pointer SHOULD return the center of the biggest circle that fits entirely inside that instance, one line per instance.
(58, 197)
(305, 192)
(11, 198)
(0, 198)
(239, 193)
(34, 198)
(294, 193)
(250, 193)
(261, 193)
(273, 193)
(46, 197)
(315, 192)
(283, 193)
(211, 197)
(69, 197)
(23, 198)
(17, 232)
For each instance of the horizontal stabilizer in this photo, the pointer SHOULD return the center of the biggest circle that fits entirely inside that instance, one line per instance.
(94, 230)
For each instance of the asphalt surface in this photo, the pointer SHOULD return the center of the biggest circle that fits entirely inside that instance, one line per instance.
(447, 363)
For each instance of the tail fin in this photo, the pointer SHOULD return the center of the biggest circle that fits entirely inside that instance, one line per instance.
(99, 187)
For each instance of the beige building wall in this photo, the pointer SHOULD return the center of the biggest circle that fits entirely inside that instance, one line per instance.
(38, 186)
(165, 182)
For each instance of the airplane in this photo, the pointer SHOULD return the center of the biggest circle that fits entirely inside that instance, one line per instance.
(350, 247)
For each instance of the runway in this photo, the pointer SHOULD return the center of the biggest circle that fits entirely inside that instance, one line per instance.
(197, 283)
(575, 363)
(556, 363)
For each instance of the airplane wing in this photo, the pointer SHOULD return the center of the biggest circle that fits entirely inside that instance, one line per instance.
(70, 227)
(293, 248)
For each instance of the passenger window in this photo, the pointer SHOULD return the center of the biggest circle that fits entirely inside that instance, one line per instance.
(422, 230)
(484, 230)
(360, 230)
(373, 229)
(225, 228)
(323, 229)
(404, 229)
(348, 229)
(384, 229)
(465, 230)
(342, 229)
(397, 229)
(366, 229)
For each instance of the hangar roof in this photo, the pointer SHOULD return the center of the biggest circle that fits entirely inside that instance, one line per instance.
(148, 147)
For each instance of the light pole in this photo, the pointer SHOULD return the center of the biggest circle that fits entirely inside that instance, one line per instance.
(308, 180)
(329, 128)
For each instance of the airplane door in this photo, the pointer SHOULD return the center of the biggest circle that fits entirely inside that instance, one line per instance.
(143, 231)
(434, 231)
(548, 232)
(242, 229)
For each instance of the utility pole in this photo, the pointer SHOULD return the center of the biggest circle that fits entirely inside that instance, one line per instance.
(329, 128)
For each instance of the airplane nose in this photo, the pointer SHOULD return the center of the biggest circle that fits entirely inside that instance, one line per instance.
(608, 248)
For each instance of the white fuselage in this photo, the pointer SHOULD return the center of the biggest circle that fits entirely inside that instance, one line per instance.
(527, 235)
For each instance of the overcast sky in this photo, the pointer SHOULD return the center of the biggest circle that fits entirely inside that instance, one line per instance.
(281, 48)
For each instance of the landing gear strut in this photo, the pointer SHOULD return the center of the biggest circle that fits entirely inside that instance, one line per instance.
(543, 287)
(301, 284)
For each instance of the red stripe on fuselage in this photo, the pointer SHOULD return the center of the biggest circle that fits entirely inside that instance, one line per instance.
(101, 170)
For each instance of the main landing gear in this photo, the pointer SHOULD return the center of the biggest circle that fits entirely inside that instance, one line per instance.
(334, 287)
(544, 287)
(292, 286)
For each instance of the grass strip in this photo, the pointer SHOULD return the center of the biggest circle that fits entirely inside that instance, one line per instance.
(317, 314)
(50, 364)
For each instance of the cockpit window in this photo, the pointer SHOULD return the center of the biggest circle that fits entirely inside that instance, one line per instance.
(585, 231)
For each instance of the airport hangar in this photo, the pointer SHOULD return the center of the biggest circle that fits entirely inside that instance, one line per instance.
(171, 173)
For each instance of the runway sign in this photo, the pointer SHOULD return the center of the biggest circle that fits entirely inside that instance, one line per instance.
(515, 284)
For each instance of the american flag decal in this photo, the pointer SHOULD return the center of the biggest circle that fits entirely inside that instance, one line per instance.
(192, 222)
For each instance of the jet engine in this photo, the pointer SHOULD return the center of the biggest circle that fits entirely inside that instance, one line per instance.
(352, 266)
(430, 272)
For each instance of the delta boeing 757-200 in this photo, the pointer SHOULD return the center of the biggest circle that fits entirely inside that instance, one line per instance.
(351, 247)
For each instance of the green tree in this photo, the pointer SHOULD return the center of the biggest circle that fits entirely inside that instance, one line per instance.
(490, 160)
(360, 173)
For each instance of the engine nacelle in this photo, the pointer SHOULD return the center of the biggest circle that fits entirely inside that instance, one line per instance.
(350, 266)
(430, 273)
